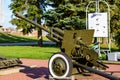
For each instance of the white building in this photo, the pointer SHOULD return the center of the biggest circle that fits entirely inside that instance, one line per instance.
(1, 13)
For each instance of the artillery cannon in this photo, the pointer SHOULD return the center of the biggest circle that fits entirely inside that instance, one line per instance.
(75, 52)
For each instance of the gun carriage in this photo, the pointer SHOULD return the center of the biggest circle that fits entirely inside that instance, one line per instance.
(75, 52)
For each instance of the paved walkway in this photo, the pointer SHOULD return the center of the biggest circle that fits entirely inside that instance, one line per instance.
(40, 72)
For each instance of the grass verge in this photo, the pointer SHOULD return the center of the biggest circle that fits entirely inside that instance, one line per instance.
(5, 37)
(31, 52)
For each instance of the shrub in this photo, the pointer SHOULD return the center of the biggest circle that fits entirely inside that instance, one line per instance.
(117, 38)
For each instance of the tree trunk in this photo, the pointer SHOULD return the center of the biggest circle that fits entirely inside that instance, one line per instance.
(40, 37)
(103, 40)
(39, 30)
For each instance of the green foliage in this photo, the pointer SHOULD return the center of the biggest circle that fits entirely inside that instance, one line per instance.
(103, 57)
(71, 14)
(115, 19)
(67, 14)
(32, 9)
(117, 38)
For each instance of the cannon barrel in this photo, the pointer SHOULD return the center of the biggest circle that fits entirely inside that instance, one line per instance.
(58, 35)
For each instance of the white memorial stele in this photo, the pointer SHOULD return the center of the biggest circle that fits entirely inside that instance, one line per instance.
(1, 13)
(98, 22)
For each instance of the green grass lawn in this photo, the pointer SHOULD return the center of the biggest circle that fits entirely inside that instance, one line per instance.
(5, 37)
(31, 52)
(112, 46)
(10, 38)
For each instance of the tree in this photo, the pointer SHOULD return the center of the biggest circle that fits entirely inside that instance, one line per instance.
(32, 9)
(117, 38)
(115, 21)
(71, 14)
(67, 14)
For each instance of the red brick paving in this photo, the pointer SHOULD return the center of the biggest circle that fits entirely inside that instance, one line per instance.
(41, 72)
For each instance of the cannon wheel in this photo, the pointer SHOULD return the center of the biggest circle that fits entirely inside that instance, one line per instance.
(60, 65)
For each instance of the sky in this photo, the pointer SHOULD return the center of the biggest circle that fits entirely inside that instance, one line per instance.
(7, 14)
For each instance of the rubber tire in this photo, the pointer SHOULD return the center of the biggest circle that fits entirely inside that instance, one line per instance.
(67, 61)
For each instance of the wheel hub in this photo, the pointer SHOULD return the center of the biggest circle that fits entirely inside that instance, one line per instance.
(59, 66)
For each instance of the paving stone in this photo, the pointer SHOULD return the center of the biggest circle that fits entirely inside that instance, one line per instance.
(40, 72)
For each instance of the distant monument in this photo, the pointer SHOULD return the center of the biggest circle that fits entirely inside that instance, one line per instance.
(1, 13)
